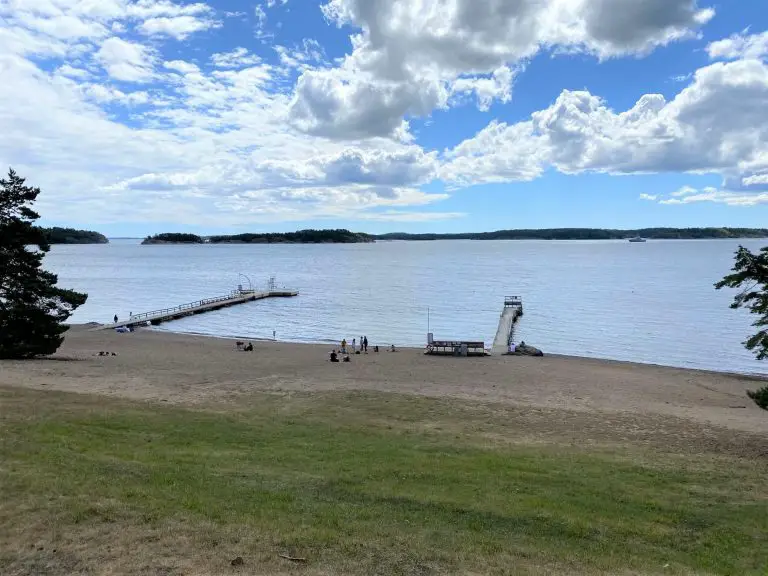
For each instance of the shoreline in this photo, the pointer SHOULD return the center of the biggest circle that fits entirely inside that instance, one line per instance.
(755, 376)
(159, 366)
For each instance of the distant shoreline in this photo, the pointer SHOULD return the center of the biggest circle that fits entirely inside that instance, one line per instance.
(342, 236)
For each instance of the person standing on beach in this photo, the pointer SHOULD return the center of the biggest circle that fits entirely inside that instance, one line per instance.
(354, 345)
(344, 346)
(115, 318)
(365, 344)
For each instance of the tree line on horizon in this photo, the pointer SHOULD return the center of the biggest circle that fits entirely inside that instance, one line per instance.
(587, 234)
(344, 236)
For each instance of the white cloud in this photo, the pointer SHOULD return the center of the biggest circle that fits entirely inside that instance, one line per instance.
(740, 46)
(650, 197)
(684, 191)
(716, 124)
(145, 9)
(178, 27)
(717, 196)
(107, 94)
(414, 49)
(756, 180)
(72, 72)
(306, 56)
(126, 61)
(237, 58)
(181, 66)
(335, 103)
(497, 87)
(261, 20)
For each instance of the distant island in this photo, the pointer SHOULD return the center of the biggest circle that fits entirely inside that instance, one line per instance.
(589, 234)
(57, 235)
(301, 237)
(173, 238)
(343, 236)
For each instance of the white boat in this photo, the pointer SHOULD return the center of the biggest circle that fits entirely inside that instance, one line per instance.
(637, 239)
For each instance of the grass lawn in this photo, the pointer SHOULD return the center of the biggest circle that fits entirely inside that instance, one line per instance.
(355, 484)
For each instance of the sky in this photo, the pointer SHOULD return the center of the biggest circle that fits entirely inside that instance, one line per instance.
(143, 116)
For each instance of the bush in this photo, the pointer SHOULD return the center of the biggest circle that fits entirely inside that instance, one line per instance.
(760, 397)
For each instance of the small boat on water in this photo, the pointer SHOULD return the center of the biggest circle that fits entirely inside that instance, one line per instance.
(637, 239)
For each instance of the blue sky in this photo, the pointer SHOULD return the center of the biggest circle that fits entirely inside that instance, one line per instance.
(141, 116)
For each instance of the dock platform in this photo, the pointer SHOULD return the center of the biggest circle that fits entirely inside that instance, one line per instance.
(199, 307)
(510, 314)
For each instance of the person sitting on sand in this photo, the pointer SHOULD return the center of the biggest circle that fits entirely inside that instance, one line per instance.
(392, 348)
(334, 356)
(249, 347)
(346, 358)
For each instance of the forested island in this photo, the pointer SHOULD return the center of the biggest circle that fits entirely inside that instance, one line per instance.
(58, 235)
(339, 236)
(589, 234)
(173, 238)
(343, 236)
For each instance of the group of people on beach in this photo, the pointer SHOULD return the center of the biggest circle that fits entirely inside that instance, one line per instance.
(361, 349)
(344, 352)
(363, 345)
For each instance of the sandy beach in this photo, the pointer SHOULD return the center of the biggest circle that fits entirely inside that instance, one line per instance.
(193, 370)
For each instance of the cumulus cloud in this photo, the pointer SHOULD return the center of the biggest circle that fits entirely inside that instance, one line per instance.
(237, 58)
(713, 125)
(717, 196)
(456, 43)
(181, 66)
(336, 103)
(740, 46)
(126, 61)
(178, 27)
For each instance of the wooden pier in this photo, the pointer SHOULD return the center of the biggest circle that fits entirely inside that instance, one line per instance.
(512, 312)
(199, 307)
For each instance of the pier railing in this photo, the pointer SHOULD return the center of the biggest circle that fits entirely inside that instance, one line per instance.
(180, 308)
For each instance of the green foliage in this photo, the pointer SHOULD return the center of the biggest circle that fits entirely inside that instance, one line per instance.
(760, 397)
(32, 308)
(588, 234)
(173, 238)
(750, 275)
(339, 236)
(57, 235)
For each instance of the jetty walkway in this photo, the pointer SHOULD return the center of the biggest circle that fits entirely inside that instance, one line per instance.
(199, 307)
(513, 310)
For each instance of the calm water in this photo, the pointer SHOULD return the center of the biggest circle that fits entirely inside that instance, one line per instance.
(650, 302)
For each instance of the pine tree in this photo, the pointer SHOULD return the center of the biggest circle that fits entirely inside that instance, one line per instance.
(750, 275)
(32, 308)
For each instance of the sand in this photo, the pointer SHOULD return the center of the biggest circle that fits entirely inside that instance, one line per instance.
(194, 370)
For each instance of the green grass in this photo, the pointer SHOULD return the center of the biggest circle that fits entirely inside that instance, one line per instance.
(357, 484)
